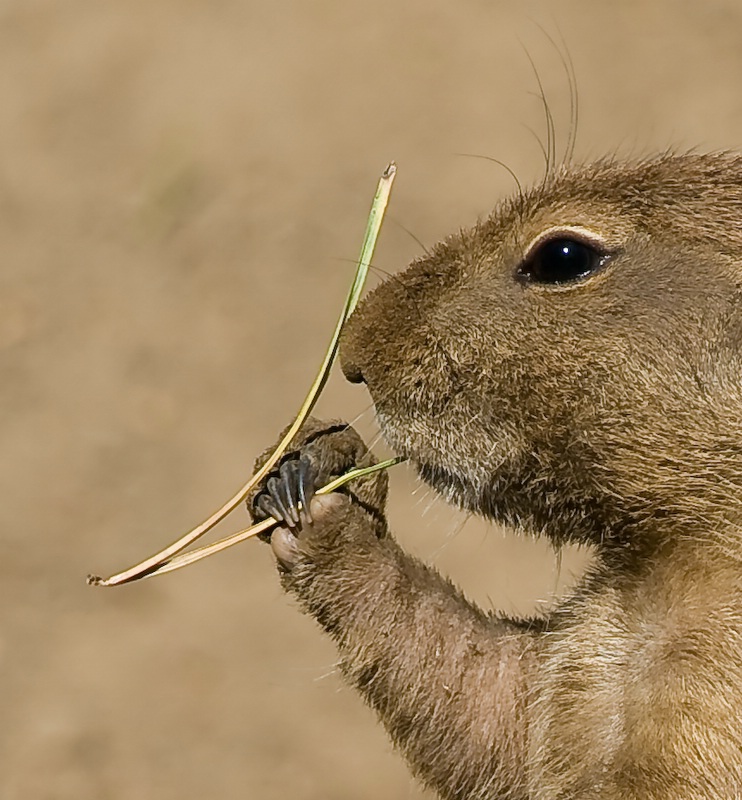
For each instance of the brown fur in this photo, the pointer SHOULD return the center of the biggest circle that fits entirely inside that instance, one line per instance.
(609, 412)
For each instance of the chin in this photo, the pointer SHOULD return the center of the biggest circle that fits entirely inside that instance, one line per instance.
(465, 482)
(453, 487)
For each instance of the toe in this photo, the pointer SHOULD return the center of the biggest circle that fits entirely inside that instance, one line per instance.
(306, 485)
(265, 507)
(285, 548)
(274, 487)
(289, 484)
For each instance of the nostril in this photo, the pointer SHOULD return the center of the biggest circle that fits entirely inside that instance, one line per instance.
(352, 372)
(354, 350)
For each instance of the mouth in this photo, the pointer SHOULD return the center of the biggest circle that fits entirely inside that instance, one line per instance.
(455, 489)
(451, 484)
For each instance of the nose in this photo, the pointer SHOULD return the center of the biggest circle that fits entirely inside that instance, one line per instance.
(353, 354)
(352, 372)
(377, 335)
(350, 355)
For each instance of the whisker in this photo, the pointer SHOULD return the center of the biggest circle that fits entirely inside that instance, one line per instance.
(521, 194)
(540, 144)
(569, 70)
(409, 233)
(549, 119)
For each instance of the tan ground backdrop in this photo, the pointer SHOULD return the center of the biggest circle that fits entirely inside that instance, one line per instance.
(182, 184)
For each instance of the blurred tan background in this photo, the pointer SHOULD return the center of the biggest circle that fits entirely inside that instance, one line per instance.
(182, 186)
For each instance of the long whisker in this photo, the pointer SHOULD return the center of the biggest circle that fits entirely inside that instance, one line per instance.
(569, 70)
(412, 236)
(550, 149)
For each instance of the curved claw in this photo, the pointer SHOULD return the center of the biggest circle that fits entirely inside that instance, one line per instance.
(289, 473)
(265, 506)
(306, 478)
(275, 490)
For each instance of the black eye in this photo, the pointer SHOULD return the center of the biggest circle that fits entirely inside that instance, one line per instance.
(559, 261)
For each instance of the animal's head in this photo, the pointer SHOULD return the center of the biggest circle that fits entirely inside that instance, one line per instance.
(572, 363)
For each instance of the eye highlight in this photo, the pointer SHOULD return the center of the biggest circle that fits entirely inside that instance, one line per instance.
(562, 259)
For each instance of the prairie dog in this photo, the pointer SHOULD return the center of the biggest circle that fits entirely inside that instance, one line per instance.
(571, 366)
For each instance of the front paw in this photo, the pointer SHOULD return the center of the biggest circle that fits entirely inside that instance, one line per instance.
(314, 525)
